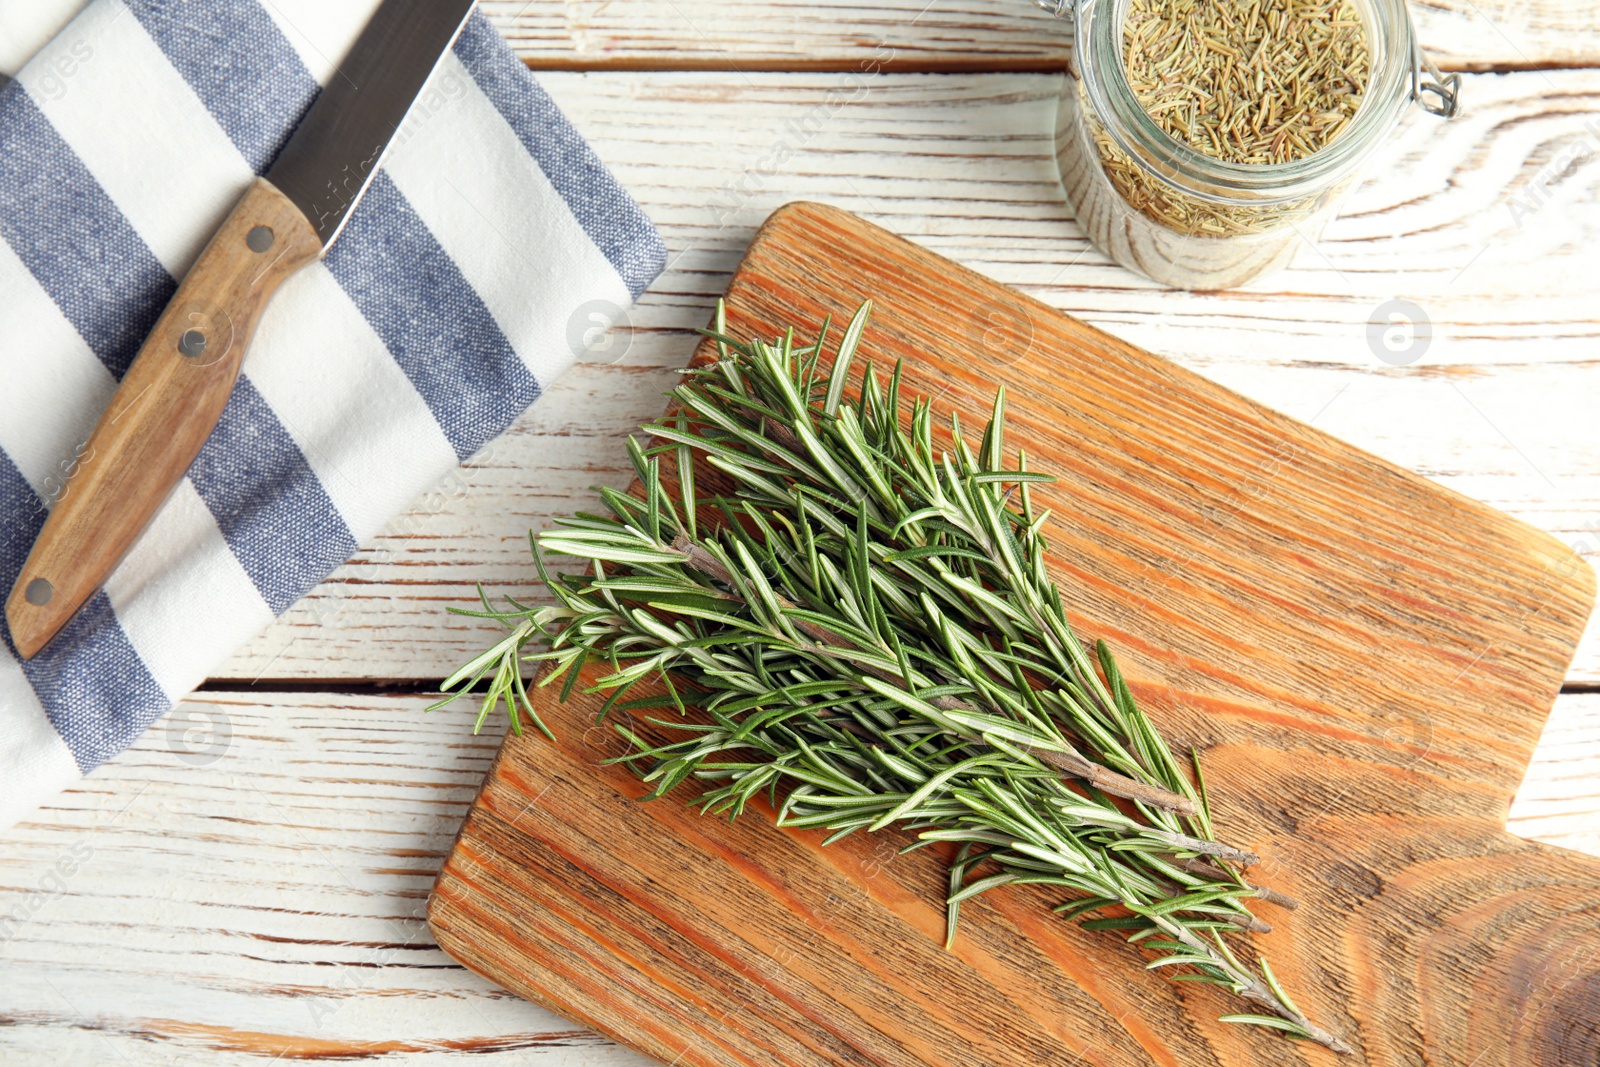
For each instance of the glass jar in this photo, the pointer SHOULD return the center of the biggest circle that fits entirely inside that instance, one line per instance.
(1184, 218)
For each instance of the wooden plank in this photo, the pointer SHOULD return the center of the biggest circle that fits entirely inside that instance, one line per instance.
(1498, 407)
(1559, 801)
(1253, 573)
(247, 883)
(318, 828)
(951, 34)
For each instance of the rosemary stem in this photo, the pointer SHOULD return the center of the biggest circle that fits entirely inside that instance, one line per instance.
(1118, 785)
(1204, 869)
(1253, 988)
(1185, 843)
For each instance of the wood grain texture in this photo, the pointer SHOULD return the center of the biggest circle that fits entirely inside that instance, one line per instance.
(1499, 406)
(162, 412)
(924, 35)
(245, 886)
(1364, 659)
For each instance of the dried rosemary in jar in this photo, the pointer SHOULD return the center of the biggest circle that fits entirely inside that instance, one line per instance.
(1271, 82)
(1201, 140)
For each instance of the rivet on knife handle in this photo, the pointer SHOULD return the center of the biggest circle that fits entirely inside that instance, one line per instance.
(165, 408)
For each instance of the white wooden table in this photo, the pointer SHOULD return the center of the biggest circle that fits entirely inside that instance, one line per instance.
(247, 883)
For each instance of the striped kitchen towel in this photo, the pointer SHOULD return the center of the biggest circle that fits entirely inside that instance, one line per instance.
(435, 321)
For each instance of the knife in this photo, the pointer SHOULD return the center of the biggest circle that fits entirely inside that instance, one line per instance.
(173, 394)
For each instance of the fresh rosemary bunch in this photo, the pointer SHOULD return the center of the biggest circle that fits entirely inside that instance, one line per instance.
(867, 629)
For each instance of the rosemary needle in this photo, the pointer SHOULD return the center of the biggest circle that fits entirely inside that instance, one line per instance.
(866, 627)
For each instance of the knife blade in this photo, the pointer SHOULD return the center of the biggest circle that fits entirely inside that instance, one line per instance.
(177, 386)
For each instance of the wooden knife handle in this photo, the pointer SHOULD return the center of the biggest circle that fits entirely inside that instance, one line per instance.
(165, 408)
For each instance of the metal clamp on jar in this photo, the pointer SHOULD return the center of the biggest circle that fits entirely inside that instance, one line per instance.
(1190, 219)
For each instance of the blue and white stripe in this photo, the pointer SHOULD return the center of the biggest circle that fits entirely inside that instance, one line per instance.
(434, 322)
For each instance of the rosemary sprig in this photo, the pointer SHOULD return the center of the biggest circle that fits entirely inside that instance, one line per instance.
(866, 624)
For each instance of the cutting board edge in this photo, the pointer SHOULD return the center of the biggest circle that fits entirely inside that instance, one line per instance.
(457, 945)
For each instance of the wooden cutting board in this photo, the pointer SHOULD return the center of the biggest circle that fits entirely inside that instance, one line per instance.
(1364, 658)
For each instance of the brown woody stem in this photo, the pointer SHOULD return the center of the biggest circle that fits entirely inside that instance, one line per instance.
(1196, 865)
(1109, 781)
(1185, 843)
